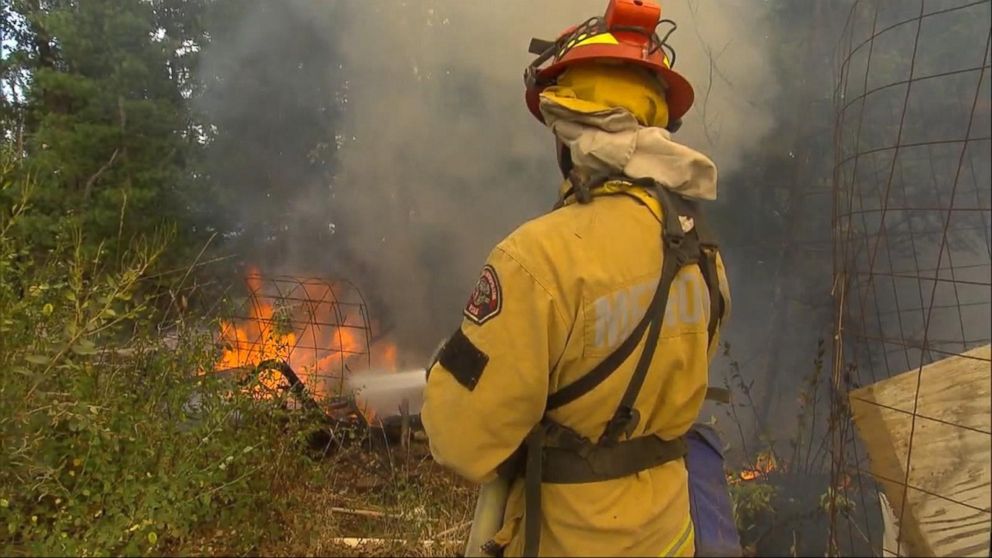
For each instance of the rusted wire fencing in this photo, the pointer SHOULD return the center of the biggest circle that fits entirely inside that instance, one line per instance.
(912, 249)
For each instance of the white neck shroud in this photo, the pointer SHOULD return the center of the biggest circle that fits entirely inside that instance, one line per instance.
(612, 141)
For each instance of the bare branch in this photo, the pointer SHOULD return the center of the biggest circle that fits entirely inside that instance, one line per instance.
(88, 188)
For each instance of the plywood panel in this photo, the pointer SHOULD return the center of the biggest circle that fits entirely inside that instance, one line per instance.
(947, 390)
(949, 500)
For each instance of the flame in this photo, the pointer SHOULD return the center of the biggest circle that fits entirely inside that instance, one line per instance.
(763, 465)
(316, 347)
(384, 356)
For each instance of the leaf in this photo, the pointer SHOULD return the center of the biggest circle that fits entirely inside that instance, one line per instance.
(152, 537)
(84, 347)
(37, 359)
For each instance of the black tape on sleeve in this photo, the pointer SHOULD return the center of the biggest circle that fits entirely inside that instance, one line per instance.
(464, 360)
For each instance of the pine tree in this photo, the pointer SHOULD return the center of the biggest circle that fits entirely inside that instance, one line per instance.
(108, 130)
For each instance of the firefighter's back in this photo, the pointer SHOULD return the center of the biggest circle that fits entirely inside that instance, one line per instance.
(601, 263)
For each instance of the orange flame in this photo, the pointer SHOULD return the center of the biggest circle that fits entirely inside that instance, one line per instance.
(384, 356)
(316, 348)
(764, 464)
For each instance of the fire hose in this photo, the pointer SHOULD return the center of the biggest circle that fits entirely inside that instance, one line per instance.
(488, 517)
(383, 392)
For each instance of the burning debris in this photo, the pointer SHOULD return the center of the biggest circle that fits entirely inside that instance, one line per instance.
(764, 465)
(308, 338)
(320, 329)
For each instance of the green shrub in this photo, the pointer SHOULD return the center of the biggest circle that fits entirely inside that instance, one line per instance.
(111, 439)
(753, 508)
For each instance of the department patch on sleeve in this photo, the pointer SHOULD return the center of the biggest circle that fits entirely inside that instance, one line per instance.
(487, 298)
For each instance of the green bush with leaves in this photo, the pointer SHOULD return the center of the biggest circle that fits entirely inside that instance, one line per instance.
(753, 508)
(112, 440)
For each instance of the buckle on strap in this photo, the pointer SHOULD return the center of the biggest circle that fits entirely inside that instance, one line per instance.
(559, 436)
(623, 422)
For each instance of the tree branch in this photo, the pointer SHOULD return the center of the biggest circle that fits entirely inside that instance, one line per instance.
(88, 188)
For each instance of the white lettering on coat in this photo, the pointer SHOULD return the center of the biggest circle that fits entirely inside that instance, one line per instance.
(618, 313)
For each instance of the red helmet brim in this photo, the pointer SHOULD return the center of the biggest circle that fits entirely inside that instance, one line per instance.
(678, 91)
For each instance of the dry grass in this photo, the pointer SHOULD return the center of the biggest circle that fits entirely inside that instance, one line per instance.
(418, 508)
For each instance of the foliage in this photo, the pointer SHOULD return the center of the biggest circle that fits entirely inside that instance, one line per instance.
(810, 401)
(111, 442)
(782, 499)
(105, 118)
(753, 507)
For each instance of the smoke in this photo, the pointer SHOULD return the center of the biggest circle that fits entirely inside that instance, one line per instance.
(389, 143)
(439, 157)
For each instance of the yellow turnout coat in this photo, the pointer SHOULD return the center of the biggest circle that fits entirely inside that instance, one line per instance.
(554, 299)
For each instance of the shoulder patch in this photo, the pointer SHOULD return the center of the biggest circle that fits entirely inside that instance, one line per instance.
(463, 359)
(487, 298)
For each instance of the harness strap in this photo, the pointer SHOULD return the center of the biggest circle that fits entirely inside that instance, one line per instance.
(607, 366)
(556, 454)
(626, 417)
(570, 458)
(680, 250)
(672, 206)
(532, 491)
(559, 455)
(581, 183)
(707, 266)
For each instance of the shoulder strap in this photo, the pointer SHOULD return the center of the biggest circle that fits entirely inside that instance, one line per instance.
(625, 418)
(707, 266)
(680, 249)
(604, 369)
(672, 206)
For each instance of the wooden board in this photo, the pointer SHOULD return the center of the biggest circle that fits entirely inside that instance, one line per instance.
(948, 505)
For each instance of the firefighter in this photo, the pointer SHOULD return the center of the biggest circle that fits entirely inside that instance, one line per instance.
(582, 357)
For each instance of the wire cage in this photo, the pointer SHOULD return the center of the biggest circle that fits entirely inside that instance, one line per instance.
(320, 328)
(912, 250)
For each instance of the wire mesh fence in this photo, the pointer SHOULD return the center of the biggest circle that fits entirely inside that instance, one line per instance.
(320, 328)
(912, 276)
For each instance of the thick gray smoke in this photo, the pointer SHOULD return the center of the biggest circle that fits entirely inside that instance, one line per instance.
(388, 143)
(439, 157)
